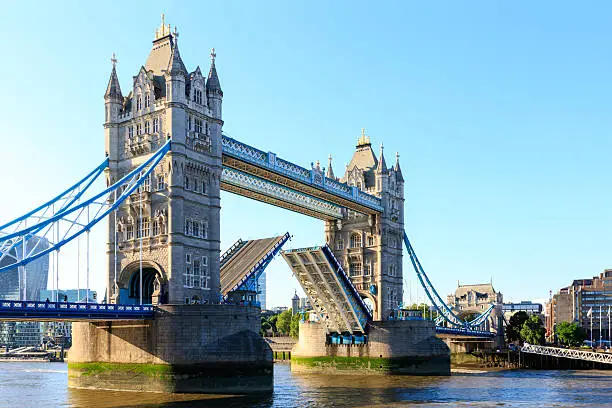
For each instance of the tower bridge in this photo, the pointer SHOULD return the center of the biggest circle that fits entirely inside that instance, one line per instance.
(167, 162)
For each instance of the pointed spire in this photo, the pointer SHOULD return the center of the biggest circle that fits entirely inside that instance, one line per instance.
(176, 66)
(397, 169)
(330, 171)
(213, 85)
(381, 167)
(364, 140)
(113, 90)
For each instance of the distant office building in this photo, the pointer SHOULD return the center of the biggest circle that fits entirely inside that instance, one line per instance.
(575, 302)
(20, 334)
(261, 290)
(62, 331)
(525, 306)
(37, 273)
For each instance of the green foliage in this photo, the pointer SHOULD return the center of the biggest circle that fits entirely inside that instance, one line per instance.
(294, 331)
(533, 331)
(570, 334)
(283, 323)
(513, 329)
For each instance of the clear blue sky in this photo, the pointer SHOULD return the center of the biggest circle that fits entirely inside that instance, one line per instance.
(501, 114)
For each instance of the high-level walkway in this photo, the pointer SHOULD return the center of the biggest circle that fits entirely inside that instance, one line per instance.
(568, 353)
(245, 260)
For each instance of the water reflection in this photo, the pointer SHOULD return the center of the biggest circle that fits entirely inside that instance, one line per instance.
(45, 385)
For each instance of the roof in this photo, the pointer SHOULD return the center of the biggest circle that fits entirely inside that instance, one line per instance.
(113, 90)
(176, 65)
(160, 54)
(484, 288)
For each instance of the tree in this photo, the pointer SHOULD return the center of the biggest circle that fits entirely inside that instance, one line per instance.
(513, 329)
(283, 323)
(570, 334)
(533, 331)
(294, 330)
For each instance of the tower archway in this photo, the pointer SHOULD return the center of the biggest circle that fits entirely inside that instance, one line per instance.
(154, 284)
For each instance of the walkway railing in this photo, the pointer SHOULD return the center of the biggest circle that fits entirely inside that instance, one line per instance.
(68, 310)
(464, 332)
(568, 353)
(313, 177)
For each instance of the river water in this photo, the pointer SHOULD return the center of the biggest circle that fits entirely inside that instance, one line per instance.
(41, 385)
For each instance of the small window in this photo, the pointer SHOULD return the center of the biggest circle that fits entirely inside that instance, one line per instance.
(147, 100)
(339, 244)
(147, 127)
(196, 229)
(139, 102)
(156, 125)
(188, 226)
(203, 187)
(130, 132)
(155, 228)
(130, 232)
(198, 125)
(161, 182)
(187, 258)
(356, 240)
(370, 240)
(204, 230)
(187, 186)
(139, 129)
(190, 122)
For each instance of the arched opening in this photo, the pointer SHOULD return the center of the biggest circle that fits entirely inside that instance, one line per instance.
(369, 304)
(148, 286)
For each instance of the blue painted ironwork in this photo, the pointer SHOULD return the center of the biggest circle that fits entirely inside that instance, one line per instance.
(226, 256)
(464, 332)
(252, 275)
(79, 218)
(361, 309)
(444, 310)
(279, 192)
(32, 310)
(313, 177)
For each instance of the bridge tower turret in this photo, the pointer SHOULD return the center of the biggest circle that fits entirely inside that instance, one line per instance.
(175, 216)
(112, 106)
(370, 246)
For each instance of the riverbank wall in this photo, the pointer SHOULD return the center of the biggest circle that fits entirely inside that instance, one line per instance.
(392, 347)
(185, 348)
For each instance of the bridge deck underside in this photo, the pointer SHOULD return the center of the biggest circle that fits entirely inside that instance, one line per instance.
(331, 297)
(236, 267)
(308, 189)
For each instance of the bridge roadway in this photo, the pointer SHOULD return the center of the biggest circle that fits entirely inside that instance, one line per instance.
(25, 310)
(329, 289)
(245, 259)
(568, 353)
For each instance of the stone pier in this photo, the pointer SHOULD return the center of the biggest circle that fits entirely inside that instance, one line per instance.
(393, 347)
(186, 348)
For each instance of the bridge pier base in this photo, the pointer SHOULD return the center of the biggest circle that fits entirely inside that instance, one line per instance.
(393, 347)
(186, 348)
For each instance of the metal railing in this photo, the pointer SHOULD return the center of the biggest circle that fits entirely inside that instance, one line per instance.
(568, 353)
(27, 308)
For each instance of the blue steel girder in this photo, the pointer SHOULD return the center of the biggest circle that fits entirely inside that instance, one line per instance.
(444, 310)
(256, 270)
(313, 182)
(248, 185)
(71, 222)
(331, 292)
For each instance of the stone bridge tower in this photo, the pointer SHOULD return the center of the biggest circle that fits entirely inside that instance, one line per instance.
(370, 247)
(180, 202)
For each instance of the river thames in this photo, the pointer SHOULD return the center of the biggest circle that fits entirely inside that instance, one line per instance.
(45, 385)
